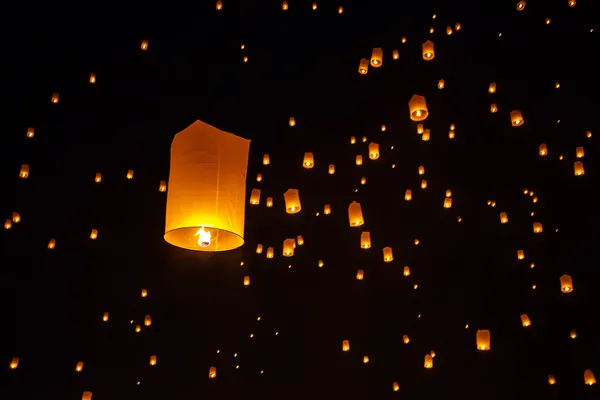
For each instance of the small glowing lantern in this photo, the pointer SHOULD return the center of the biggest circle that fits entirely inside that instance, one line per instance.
(451, 134)
(406, 271)
(105, 317)
(566, 284)
(340, 10)
(258, 177)
(365, 240)
(7, 224)
(406, 339)
(331, 169)
(92, 78)
(408, 195)
(219, 5)
(292, 201)
(288, 247)
(520, 254)
(246, 280)
(55, 98)
(373, 151)
(212, 372)
(266, 160)
(300, 240)
(30, 132)
(426, 135)
(365, 359)
(421, 170)
(395, 55)
(138, 328)
(521, 5)
(129, 174)
(395, 386)
(79, 366)
(346, 345)
(492, 88)
(94, 234)
(579, 153)
(284, 5)
(16, 217)
(537, 227)
(551, 380)
(457, 26)
(86, 396)
(573, 334)
(428, 52)
(483, 339)
(578, 168)
(448, 202)
(14, 363)
(359, 160)
(360, 275)
(259, 248)
(352, 140)
(588, 377)
(51, 244)
(503, 218)
(355, 216)
(572, 3)
(377, 57)
(292, 121)
(493, 108)
(314, 6)
(448, 30)
(144, 45)
(441, 84)
(403, 39)
(448, 193)
(327, 209)
(428, 361)
(255, 197)
(388, 256)
(424, 184)
(543, 149)
(24, 172)
(309, 160)
(270, 252)
(148, 320)
(419, 129)
(162, 186)
(144, 293)
(525, 321)
(516, 118)
(320, 264)
(418, 108)
(152, 360)
(269, 202)
(98, 177)
(363, 66)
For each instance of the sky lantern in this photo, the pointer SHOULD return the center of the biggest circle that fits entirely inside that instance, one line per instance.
(417, 107)
(144, 45)
(441, 84)
(566, 284)
(98, 177)
(525, 321)
(516, 118)
(521, 5)
(373, 151)
(428, 361)
(428, 51)
(255, 197)
(377, 57)
(207, 186)
(578, 168)
(346, 345)
(309, 160)
(24, 172)
(14, 363)
(388, 255)
(395, 54)
(212, 372)
(288, 247)
(395, 386)
(219, 5)
(365, 240)
(543, 149)
(363, 66)
(355, 216)
(292, 201)
(86, 396)
(483, 339)
(588, 377)
(492, 88)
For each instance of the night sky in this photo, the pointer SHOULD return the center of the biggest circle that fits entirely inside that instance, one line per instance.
(281, 336)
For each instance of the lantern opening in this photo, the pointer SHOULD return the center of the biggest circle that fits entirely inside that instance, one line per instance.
(204, 237)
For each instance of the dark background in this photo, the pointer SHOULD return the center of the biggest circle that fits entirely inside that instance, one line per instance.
(302, 63)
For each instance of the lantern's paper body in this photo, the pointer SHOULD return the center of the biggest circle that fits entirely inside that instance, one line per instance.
(207, 188)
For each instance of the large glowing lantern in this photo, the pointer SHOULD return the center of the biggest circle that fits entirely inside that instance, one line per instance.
(207, 189)
(483, 339)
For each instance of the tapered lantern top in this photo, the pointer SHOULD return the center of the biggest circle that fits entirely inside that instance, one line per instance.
(207, 189)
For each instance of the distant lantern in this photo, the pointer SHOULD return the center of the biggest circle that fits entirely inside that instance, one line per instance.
(219, 5)
(314, 6)
(144, 293)
(588, 134)
(383, 128)
(395, 54)
(424, 185)
(79, 366)
(270, 252)
(537, 227)
(363, 66)
(377, 57)
(92, 78)
(16, 217)
(259, 249)
(578, 168)
(162, 186)
(360, 275)
(492, 88)
(566, 284)
(572, 3)
(388, 255)
(426, 135)
(359, 160)
(421, 170)
(207, 189)
(269, 202)
(98, 177)
(14, 363)
(579, 153)
(327, 209)
(55, 98)
(320, 264)
(573, 334)
(503, 218)
(521, 5)
(448, 193)
(24, 172)
(246, 280)
(457, 26)
(406, 271)
(144, 45)
(331, 169)
(51, 244)
(551, 380)
(395, 386)
(403, 39)
(148, 320)
(30, 132)
(352, 140)
(428, 361)
(152, 360)
(441, 84)
(309, 160)
(483, 339)
(493, 108)
(258, 177)
(86, 396)
(448, 202)
(448, 30)
(373, 151)
(129, 174)
(255, 197)
(428, 51)
(543, 149)
(266, 159)
(284, 5)
(420, 129)
(292, 121)
(292, 201)
(588, 377)
(288, 247)
(365, 240)
(7, 223)
(365, 359)
(300, 240)
(105, 317)
(408, 195)
(340, 10)
(520, 254)
(525, 321)
(355, 216)
(346, 345)
(94, 234)
(516, 118)
(212, 372)
(418, 108)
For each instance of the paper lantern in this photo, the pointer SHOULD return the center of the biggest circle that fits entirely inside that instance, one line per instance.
(537, 227)
(94, 234)
(292, 121)
(395, 386)
(516, 118)
(377, 57)
(144, 45)
(212, 372)
(207, 186)
(428, 51)
(352, 140)
(327, 209)
(269, 202)
(573, 334)
(448, 30)
(55, 98)
(24, 172)
(503, 218)
(16, 217)
(578, 168)
(373, 151)
(520, 254)
(270, 252)
(365, 240)
(258, 177)
(448, 193)
(493, 108)
(98, 177)
(492, 88)
(285, 6)
(457, 26)
(288, 247)
(30, 132)
(483, 339)
(363, 66)
(331, 169)
(346, 345)
(543, 149)
(144, 293)
(129, 174)
(388, 255)
(428, 361)
(588, 377)
(521, 5)
(420, 129)
(51, 244)
(426, 135)
(579, 153)
(355, 216)
(365, 359)
(448, 202)
(219, 5)
(255, 197)
(246, 280)
(162, 186)
(566, 284)
(360, 275)
(259, 249)
(266, 159)
(525, 321)
(572, 3)
(79, 366)
(292, 201)
(300, 240)
(105, 317)
(309, 160)
(551, 380)
(148, 320)
(92, 78)
(340, 10)
(408, 195)
(314, 6)
(395, 54)
(424, 185)
(14, 363)
(441, 84)
(406, 271)
(359, 160)
(86, 396)
(418, 108)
